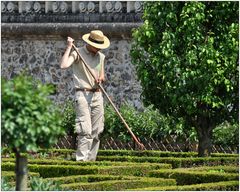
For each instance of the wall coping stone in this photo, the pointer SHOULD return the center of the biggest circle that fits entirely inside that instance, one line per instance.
(62, 30)
(71, 11)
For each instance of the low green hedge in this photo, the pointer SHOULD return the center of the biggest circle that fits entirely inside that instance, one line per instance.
(90, 178)
(145, 153)
(65, 170)
(124, 160)
(217, 169)
(55, 170)
(224, 155)
(65, 153)
(6, 150)
(218, 186)
(176, 162)
(118, 184)
(152, 153)
(10, 175)
(68, 162)
(187, 177)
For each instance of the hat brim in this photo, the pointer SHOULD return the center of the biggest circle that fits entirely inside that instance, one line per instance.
(105, 45)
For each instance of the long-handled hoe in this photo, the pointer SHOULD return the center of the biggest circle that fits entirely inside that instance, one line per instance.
(141, 146)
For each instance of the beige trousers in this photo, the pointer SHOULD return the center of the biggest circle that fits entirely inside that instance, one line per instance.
(89, 124)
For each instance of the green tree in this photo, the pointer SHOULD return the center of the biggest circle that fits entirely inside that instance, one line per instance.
(227, 135)
(148, 123)
(29, 120)
(186, 57)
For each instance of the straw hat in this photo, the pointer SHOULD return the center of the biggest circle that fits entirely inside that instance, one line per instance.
(97, 39)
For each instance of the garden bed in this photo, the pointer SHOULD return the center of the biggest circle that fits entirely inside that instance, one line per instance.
(218, 186)
(131, 170)
(185, 177)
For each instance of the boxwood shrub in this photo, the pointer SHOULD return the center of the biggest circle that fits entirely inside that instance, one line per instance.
(214, 169)
(176, 162)
(90, 178)
(10, 175)
(118, 185)
(65, 170)
(218, 186)
(67, 153)
(90, 163)
(188, 177)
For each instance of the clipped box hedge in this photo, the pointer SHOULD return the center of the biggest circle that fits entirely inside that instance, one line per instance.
(67, 153)
(68, 162)
(218, 186)
(10, 175)
(148, 153)
(90, 178)
(124, 169)
(153, 153)
(176, 162)
(65, 170)
(145, 153)
(118, 185)
(217, 169)
(184, 177)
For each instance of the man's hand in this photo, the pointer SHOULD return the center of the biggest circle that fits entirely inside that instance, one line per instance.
(70, 42)
(100, 80)
(66, 60)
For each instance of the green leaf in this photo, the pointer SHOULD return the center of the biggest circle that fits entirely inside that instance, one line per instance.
(25, 119)
(200, 39)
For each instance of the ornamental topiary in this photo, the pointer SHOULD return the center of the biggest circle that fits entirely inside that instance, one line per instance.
(30, 120)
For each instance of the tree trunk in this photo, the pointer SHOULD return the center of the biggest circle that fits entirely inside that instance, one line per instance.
(205, 144)
(21, 172)
(204, 131)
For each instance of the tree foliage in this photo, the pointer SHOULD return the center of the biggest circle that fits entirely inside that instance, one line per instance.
(227, 135)
(29, 118)
(186, 57)
(148, 123)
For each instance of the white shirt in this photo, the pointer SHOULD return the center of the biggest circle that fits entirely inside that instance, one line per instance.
(81, 76)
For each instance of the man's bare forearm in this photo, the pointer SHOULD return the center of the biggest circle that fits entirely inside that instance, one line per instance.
(66, 60)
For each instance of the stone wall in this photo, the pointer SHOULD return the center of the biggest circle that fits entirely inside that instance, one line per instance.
(37, 48)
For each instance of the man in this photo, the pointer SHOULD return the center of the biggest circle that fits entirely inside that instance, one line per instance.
(88, 97)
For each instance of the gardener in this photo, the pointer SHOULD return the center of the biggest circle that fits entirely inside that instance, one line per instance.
(88, 97)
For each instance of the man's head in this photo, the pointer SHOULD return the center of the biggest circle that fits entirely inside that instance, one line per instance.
(97, 40)
(92, 49)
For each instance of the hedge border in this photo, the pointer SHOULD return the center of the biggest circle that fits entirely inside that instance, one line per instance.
(124, 160)
(148, 153)
(217, 186)
(176, 162)
(226, 169)
(10, 175)
(90, 178)
(154, 153)
(184, 177)
(65, 170)
(80, 163)
(118, 184)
